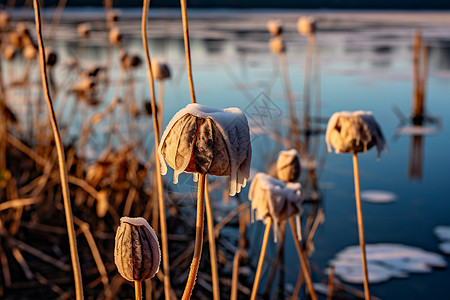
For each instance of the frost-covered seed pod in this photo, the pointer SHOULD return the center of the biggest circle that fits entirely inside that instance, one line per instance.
(115, 37)
(160, 70)
(204, 140)
(306, 25)
(275, 27)
(84, 29)
(271, 197)
(354, 132)
(288, 165)
(277, 45)
(136, 253)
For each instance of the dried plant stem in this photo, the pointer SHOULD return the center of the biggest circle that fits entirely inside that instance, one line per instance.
(198, 238)
(162, 211)
(235, 277)
(212, 245)
(3, 128)
(61, 160)
(261, 258)
(330, 283)
(303, 264)
(138, 290)
(362, 242)
(187, 49)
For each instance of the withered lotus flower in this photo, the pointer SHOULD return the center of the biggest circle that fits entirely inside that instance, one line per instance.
(288, 165)
(271, 197)
(354, 132)
(136, 253)
(211, 141)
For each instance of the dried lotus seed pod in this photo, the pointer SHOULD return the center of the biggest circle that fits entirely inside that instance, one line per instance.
(204, 140)
(136, 253)
(306, 25)
(275, 27)
(288, 165)
(354, 132)
(160, 70)
(115, 37)
(277, 45)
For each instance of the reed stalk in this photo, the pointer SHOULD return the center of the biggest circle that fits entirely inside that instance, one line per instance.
(212, 245)
(187, 49)
(362, 242)
(198, 238)
(61, 160)
(330, 283)
(261, 259)
(162, 211)
(303, 263)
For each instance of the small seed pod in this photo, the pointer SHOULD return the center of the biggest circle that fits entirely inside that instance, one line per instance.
(30, 52)
(84, 30)
(112, 16)
(115, 37)
(136, 253)
(9, 52)
(160, 70)
(15, 39)
(288, 165)
(306, 25)
(277, 45)
(275, 27)
(204, 140)
(52, 58)
(129, 61)
(271, 197)
(354, 132)
(5, 19)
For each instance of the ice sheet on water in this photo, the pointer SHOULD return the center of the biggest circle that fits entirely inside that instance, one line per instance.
(378, 196)
(384, 261)
(416, 130)
(443, 233)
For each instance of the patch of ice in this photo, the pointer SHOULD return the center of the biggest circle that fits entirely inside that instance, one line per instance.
(384, 261)
(378, 196)
(445, 247)
(416, 130)
(442, 232)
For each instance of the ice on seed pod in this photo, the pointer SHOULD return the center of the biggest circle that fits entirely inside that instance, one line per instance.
(271, 197)
(136, 252)
(354, 132)
(205, 140)
(277, 45)
(160, 70)
(275, 27)
(288, 165)
(306, 25)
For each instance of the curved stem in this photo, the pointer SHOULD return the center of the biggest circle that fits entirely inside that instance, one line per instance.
(162, 211)
(187, 49)
(303, 264)
(198, 238)
(362, 242)
(261, 258)
(235, 276)
(212, 245)
(138, 290)
(61, 161)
